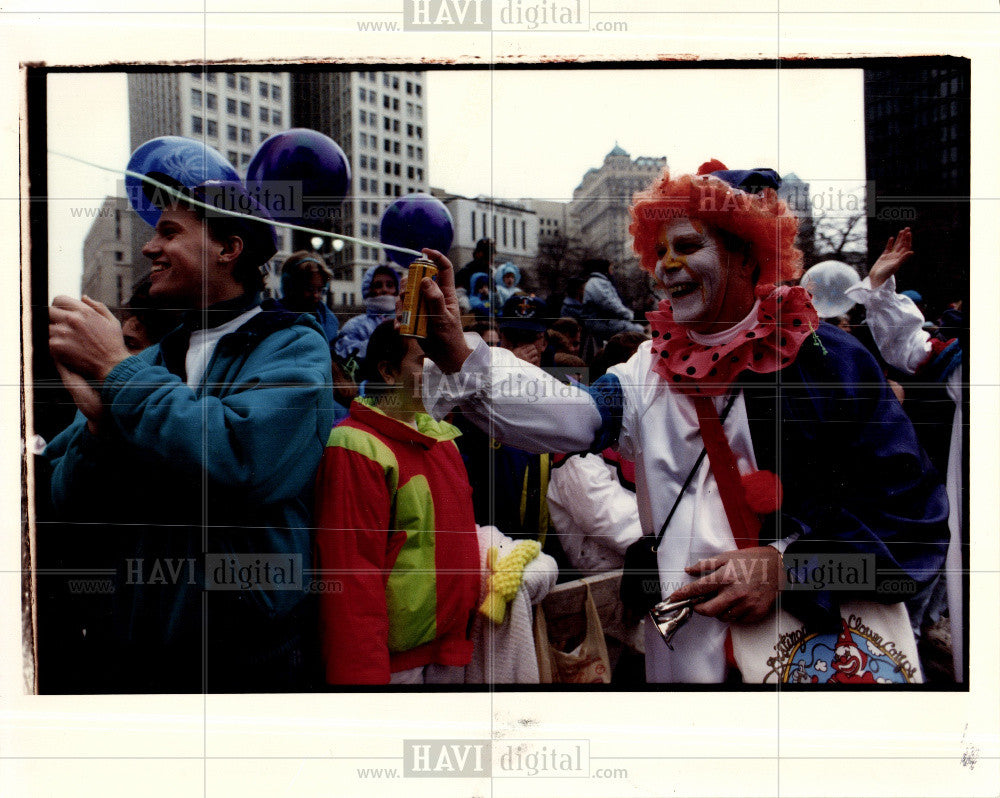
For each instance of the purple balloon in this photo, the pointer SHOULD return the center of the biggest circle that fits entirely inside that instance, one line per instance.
(298, 172)
(188, 161)
(416, 221)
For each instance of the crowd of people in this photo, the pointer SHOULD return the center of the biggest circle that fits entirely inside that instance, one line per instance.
(292, 503)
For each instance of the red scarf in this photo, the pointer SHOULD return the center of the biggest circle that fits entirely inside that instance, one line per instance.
(785, 318)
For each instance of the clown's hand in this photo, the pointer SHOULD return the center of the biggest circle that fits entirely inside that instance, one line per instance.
(445, 342)
(505, 577)
(897, 251)
(742, 585)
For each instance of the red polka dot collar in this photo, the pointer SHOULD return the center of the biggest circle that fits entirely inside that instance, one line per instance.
(785, 318)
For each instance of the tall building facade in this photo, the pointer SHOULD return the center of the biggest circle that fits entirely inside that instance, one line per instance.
(600, 204)
(108, 272)
(232, 112)
(600, 210)
(917, 148)
(380, 121)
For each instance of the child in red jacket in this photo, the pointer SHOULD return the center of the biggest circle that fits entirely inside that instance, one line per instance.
(396, 537)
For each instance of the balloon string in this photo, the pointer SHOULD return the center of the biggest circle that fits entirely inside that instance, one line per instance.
(173, 191)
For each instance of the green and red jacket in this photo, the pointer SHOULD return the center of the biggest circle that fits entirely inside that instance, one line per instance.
(396, 548)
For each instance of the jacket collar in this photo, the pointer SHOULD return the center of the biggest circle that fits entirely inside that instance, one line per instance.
(219, 313)
(427, 433)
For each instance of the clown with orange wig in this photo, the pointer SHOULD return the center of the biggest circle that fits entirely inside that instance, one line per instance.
(808, 453)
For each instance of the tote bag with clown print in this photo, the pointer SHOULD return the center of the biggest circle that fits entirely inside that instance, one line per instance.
(874, 645)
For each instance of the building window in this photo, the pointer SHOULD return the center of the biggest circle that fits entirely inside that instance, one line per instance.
(276, 118)
(409, 87)
(245, 159)
(196, 98)
(119, 256)
(374, 162)
(372, 98)
(420, 132)
(395, 169)
(231, 80)
(363, 94)
(409, 130)
(231, 132)
(230, 106)
(364, 139)
(212, 127)
(504, 220)
(387, 167)
(233, 157)
(409, 172)
(262, 89)
(363, 161)
(196, 124)
(375, 209)
(420, 112)
(363, 116)
(387, 123)
(364, 205)
(395, 82)
(385, 79)
(211, 102)
(264, 114)
(420, 153)
(210, 77)
(385, 101)
(387, 145)
(364, 183)
(395, 104)
(245, 135)
(245, 110)
(276, 93)
(420, 175)
(244, 84)
(388, 189)
(472, 223)
(524, 238)
(395, 125)
(262, 136)
(417, 88)
(395, 147)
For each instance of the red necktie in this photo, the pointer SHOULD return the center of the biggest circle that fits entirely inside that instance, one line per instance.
(742, 520)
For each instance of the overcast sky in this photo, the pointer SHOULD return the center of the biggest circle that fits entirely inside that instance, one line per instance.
(523, 133)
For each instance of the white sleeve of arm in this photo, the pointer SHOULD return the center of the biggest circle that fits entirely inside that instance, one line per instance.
(513, 401)
(895, 322)
(587, 501)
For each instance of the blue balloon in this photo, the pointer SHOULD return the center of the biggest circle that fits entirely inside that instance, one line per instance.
(416, 221)
(187, 161)
(297, 173)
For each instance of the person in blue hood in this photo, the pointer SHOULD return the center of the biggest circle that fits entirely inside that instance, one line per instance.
(480, 297)
(507, 278)
(379, 287)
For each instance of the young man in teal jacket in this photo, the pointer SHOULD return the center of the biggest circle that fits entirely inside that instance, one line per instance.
(196, 457)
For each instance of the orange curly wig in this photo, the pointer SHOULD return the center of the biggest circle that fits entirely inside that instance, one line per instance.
(761, 220)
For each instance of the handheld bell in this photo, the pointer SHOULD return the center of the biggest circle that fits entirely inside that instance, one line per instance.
(670, 616)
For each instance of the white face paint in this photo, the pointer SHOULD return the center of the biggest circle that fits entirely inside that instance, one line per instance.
(709, 288)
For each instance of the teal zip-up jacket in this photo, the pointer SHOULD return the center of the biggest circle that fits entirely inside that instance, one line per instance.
(199, 475)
